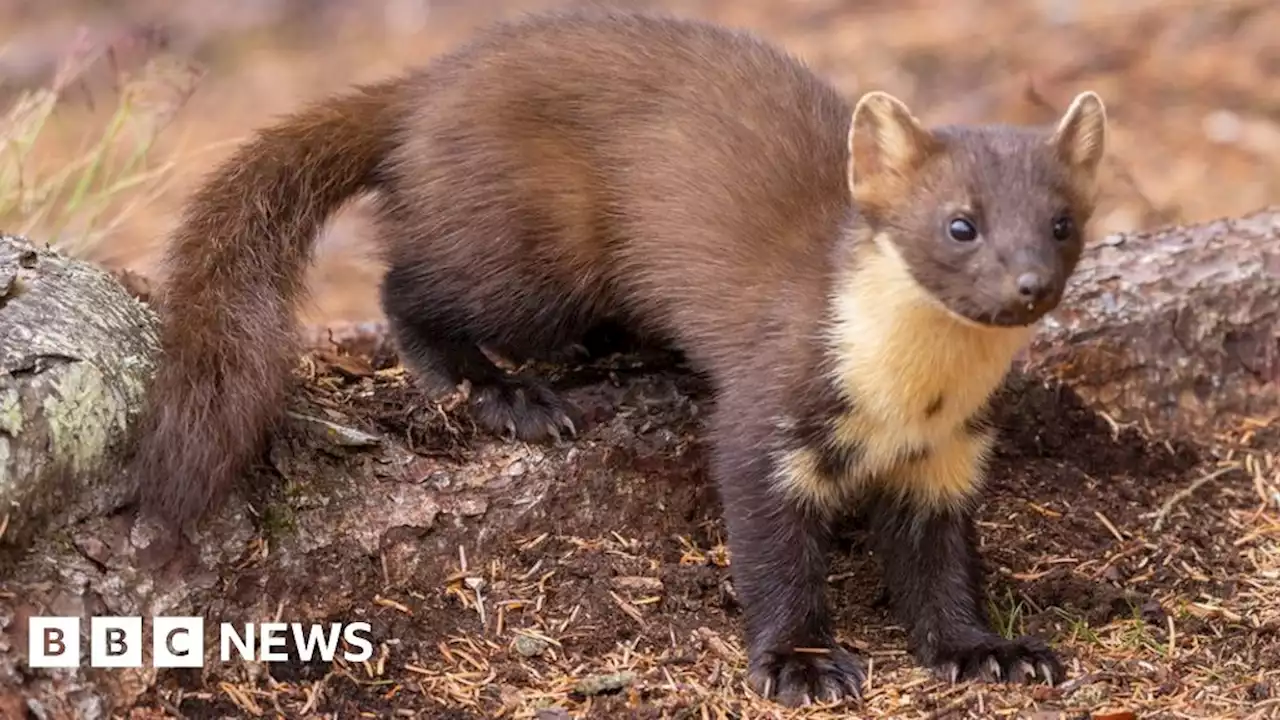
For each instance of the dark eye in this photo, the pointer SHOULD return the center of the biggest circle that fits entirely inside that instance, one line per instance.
(962, 230)
(1063, 228)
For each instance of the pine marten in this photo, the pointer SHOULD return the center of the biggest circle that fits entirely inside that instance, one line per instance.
(853, 284)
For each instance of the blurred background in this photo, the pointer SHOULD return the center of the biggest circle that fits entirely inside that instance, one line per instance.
(111, 111)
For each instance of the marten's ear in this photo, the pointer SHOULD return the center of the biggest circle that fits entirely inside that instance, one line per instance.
(1080, 138)
(886, 142)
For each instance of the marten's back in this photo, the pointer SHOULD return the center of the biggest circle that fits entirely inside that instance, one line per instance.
(615, 165)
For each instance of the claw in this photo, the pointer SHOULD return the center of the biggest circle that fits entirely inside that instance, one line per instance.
(568, 425)
(804, 682)
(854, 688)
(995, 660)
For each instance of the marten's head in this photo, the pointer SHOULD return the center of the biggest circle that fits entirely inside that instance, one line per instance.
(988, 219)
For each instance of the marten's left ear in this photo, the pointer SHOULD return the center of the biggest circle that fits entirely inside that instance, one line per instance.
(886, 143)
(1080, 137)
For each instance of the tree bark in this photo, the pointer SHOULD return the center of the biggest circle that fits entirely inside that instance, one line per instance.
(76, 351)
(1177, 329)
(1150, 323)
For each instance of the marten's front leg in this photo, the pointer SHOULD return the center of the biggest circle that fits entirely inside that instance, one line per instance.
(927, 541)
(779, 566)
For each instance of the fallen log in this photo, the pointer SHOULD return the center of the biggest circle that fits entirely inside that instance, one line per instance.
(1177, 329)
(76, 353)
(369, 484)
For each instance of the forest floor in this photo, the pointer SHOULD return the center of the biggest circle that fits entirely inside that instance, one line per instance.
(1160, 589)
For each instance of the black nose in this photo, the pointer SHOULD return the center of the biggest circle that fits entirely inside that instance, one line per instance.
(1032, 286)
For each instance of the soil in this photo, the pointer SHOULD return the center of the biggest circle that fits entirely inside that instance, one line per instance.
(624, 569)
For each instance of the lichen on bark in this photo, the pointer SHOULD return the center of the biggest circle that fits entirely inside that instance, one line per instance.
(76, 353)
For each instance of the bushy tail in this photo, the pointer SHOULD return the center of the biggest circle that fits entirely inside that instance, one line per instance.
(236, 270)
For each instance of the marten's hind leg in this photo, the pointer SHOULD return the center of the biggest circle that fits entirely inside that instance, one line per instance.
(435, 341)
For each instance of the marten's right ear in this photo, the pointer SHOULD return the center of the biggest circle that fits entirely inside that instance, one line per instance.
(886, 142)
(1080, 137)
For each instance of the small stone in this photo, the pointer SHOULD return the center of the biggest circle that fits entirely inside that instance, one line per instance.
(530, 646)
(1091, 694)
(600, 684)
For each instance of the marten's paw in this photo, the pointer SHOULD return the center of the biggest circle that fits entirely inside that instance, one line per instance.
(991, 658)
(523, 410)
(802, 678)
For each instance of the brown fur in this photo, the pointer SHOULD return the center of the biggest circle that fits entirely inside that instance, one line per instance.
(695, 186)
(236, 270)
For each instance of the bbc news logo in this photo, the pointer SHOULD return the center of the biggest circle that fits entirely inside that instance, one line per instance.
(178, 642)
